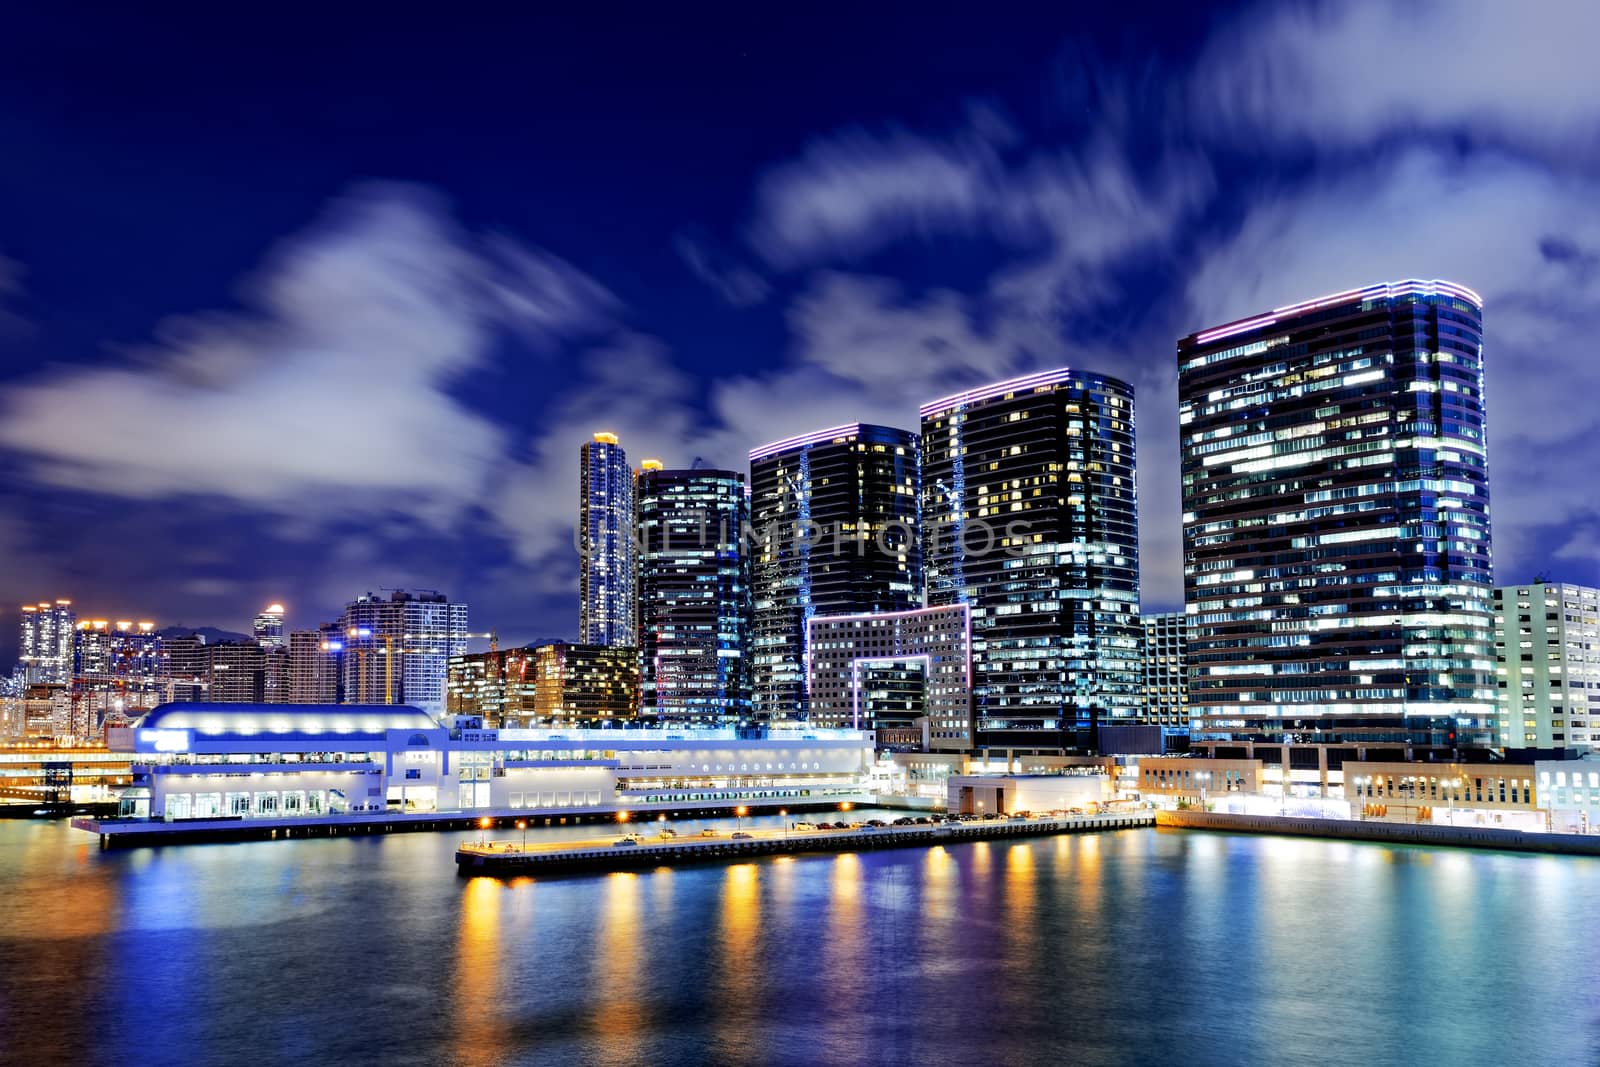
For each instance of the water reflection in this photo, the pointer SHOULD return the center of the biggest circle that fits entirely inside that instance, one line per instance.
(739, 929)
(619, 1017)
(478, 1019)
(1261, 950)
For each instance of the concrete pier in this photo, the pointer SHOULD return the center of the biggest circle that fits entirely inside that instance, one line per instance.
(1388, 832)
(509, 859)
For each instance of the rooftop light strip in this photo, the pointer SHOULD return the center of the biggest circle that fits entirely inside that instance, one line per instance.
(802, 440)
(1405, 287)
(989, 392)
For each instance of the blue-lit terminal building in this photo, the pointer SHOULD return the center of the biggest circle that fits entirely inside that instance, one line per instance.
(307, 762)
(1030, 517)
(835, 524)
(1336, 521)
(694, 589)
(606, 556)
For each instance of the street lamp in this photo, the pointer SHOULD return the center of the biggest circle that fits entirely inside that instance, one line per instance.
(522, 824)
(738, 816)
(783, 813)
(483, 825)
(1449, 785)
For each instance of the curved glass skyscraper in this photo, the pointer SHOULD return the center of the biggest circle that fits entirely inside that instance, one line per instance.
(1336, 520)
(835, 533)
(1030, 516)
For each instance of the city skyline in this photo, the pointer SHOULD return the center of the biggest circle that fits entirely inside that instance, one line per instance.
(877, 241)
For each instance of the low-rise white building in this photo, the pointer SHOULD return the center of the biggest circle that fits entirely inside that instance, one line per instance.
(221, 761)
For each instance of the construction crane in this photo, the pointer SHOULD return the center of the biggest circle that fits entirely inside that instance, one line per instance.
(389, 652)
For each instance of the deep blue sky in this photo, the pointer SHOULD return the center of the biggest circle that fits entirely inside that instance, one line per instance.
(297, 305)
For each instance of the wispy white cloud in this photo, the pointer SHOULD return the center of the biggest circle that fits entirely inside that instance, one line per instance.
(330, 394)
(1346, 74)
(737, 284)
(1522, 236)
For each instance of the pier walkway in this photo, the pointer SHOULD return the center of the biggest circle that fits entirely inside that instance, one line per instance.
(512, 859)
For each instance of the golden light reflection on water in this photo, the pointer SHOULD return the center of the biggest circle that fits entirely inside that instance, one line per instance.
(739, 932)
(618, 1017)
(479, 1024)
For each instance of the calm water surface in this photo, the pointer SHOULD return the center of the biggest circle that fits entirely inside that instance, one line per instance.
(1133, 947)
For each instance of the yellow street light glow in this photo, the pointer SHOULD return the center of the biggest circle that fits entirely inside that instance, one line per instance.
(522, 824)
(741, 810)
(485, 822)
(622, 816)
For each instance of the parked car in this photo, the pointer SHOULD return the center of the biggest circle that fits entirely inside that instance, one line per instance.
(923, 820)
(667, 831)
(990, 816)
(806, 827)
(625, 841)
(709, 832)
(876, 822)
(740, 835)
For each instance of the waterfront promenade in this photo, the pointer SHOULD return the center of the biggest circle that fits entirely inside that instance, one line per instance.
(1387, 832)
(511, 858)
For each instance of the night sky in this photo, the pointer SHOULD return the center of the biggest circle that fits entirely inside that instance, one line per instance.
(298, 304)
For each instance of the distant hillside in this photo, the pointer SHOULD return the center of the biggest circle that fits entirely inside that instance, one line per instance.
(211, 634)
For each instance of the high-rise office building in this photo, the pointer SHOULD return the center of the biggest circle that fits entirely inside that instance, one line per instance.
(863, 667)
(588, 684)
(693, 595)
(312, 675)
(1166, 692)
(46, 642)
(1547, 662)
(397, 648)
(607, 556)
(835, 524)
(1030, 516)
(1336, 520)
(496, 685)
(268, 628)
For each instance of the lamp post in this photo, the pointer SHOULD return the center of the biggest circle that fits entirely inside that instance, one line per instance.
(783, 813)
(738, 817)
(483, 826)
(522, 824)
(1449, 786)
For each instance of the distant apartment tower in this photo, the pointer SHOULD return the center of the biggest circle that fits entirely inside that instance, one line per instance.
(693, 595)
(496, 686)
(835, 521)
(1030, 517)
(607, 559)
(397, 647)
(236, 673)
(1336, 520)
(1166, 696)
(268, 628)
(584, 684)
(46, 642)
(1547, 662)
(312, 674)
(119, 668)
(188, 666)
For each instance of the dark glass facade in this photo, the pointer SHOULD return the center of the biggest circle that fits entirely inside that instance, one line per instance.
(693, 596)
(835, 520)
(1336, 521)
(1030, 516)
